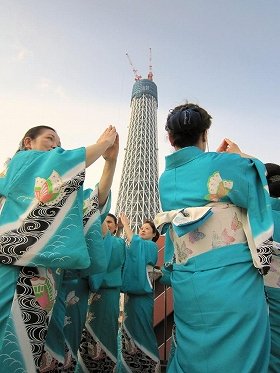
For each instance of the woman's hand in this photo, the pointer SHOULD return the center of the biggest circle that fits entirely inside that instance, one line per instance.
(111, 154)
(108, 136)
(124, 220)
(126, 227)
(105, 141)
(120, 224)
(229, 146)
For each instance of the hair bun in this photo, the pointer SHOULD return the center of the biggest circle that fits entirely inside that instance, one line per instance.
(181, 120)
(273, 179)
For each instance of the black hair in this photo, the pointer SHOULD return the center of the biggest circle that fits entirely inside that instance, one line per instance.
(33, 133)
(273, 179)
(113, 217)
(186, 123)
(152, 225)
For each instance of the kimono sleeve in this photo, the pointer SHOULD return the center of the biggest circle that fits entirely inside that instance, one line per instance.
(139, 254)
(92, 220)
(258, 225)
(41, 219)
(95, 280)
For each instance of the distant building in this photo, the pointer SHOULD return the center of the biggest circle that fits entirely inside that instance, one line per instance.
(138, 195)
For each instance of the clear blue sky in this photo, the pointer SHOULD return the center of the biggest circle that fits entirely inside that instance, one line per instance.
(63, 63)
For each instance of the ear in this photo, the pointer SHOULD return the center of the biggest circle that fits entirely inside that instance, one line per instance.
(170, 138)
(204, 136)
(27, 143)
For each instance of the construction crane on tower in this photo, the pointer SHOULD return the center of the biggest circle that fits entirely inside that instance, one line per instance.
(150, 75)
(136, 75)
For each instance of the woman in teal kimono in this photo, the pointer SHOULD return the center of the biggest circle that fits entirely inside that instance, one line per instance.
(41, 233)
(272, 279)
(217, 212)
(69, 313)
(138, 349)
(98, 347)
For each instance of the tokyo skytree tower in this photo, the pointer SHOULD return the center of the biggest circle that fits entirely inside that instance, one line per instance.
(138, 195)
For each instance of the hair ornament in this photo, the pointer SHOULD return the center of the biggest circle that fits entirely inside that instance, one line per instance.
(178, 119)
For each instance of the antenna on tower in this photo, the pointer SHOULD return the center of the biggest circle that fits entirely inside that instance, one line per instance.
(150, 75)
(136, 76)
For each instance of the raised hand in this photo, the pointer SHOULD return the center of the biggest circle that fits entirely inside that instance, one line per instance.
(229, 146)
(108, 136)
(123, 218)
(111, 154)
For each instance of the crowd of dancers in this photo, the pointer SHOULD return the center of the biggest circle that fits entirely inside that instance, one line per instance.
(64, 261)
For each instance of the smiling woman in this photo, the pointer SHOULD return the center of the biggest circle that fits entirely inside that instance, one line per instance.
(42, 233)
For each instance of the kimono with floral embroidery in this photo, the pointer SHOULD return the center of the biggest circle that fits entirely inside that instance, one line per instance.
(272, 288)
(41, 232)
(214, 272)
(69, 313)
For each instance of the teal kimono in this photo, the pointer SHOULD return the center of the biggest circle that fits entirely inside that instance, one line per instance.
(69, 313)
(41, 232)
(98, 347)
(272, 288)
(219, 219)
(138, 349)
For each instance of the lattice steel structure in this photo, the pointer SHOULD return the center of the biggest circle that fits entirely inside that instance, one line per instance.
(138, 195)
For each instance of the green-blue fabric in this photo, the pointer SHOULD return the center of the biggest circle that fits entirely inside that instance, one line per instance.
(105, 304)
(216, 326)
(53, 245)
(139, 303)
(18, 188)
(184, 228)
(273, 299)
(138, 322)
(139, 254)
(94, 239)
(218, 331)
(180, 190)
(115, 255)
(69, 313)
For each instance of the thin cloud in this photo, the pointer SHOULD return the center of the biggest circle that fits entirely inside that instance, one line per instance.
(47, 86)
(22, 54)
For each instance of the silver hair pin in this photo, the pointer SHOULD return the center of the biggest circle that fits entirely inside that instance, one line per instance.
(188, 115)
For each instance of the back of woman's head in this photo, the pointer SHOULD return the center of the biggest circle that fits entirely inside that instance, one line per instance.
(273, 179)
(33, 133)
(186, 123)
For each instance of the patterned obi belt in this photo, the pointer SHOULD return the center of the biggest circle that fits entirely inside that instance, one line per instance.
(272, 279)
(196, 230)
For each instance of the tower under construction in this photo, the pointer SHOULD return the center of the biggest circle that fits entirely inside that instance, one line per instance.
(138, 195)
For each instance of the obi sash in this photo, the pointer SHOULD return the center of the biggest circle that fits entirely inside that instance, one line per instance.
(272, 279)
(196, 230)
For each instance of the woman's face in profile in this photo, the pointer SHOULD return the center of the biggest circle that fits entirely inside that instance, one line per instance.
(45, 141)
